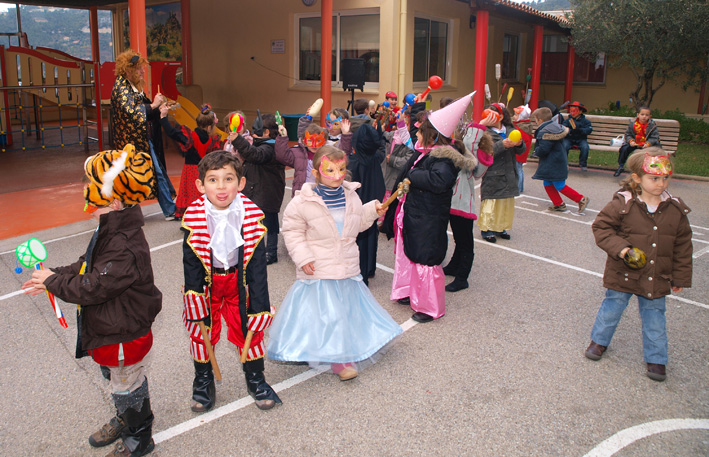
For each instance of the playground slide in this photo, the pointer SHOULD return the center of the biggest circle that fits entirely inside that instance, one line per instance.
(186, 114)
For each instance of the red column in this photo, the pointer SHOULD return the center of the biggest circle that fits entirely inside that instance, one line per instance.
(138, 34)
(186, 42)
(702, 92)
(96, 57)
(481, 25)
(536, 66)
(569, 85)
(325, 58)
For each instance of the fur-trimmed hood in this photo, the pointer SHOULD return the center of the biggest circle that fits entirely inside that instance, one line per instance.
(466, 161)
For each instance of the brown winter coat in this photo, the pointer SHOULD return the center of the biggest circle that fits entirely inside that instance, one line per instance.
(665, 237)
(117, 293)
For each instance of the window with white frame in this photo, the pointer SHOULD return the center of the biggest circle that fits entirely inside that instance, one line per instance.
(355, 35)
(430, 48)
(510, 53)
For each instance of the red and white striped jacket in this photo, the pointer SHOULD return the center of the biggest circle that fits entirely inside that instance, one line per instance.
(253, 288)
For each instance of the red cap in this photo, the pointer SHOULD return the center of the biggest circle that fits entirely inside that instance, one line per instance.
(390, 94)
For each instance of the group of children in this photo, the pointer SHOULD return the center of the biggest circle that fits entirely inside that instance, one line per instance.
(329, 316)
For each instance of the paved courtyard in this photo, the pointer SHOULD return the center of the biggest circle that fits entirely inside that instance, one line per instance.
(501, 374)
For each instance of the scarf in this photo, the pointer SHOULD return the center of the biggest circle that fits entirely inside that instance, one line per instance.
(333, 198)
(639, 130)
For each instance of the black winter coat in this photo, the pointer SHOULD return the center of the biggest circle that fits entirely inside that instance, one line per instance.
(427, 206)
(500, 181)
(265, 176)
(365, 166)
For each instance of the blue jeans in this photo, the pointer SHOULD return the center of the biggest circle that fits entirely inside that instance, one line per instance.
(652, 314)
(583, 149)
(165, 189)
(520, 176)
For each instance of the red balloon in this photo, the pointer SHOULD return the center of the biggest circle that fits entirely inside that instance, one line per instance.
(435, 82)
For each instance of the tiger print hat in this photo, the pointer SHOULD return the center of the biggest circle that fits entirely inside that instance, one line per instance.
(125, 175)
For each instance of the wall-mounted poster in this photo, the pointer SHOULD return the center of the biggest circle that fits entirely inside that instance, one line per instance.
(164, 31)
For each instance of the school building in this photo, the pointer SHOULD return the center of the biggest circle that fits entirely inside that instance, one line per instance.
(266, 54)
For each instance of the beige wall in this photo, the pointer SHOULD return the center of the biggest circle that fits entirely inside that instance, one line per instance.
(227, 33)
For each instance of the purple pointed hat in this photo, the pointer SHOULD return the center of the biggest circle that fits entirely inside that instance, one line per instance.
(445, 120)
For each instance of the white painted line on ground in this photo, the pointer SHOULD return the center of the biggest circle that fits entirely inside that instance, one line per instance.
(12, 294)
(572, 267)
(549, 202)
(385, 268)
(701, 252)
(555, 214)
(530, 204)
(171, 243)
(630, 435)
(57, 239)
(210, 416)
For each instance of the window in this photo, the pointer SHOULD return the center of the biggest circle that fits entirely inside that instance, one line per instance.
(554, 52)
(430, 49)
(510, 51)
(354, 36)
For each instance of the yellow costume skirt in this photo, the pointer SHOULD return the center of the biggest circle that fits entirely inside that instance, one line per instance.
(496, 215)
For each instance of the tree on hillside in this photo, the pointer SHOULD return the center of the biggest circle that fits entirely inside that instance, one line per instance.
(658, 40)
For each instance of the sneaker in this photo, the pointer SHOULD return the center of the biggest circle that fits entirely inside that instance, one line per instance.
(584, 169)
(656, 372)
(109, 433)
(271, 259)
(583, 203)
(171, 217)
(560, 208)
(595, 351)
(457, 285)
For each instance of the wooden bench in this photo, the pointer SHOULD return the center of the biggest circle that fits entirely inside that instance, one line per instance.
(605, 128)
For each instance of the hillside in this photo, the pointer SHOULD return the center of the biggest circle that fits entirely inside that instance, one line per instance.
(58, 28)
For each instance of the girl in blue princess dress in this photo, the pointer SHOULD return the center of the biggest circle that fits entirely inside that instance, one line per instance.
(329, 315)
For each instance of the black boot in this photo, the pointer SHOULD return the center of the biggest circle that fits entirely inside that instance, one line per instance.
(204, 392)
(619, 171)
(138, 433)
(461, 277)
(264, 396)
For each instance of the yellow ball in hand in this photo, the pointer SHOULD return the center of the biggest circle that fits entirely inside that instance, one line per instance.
(514, 136)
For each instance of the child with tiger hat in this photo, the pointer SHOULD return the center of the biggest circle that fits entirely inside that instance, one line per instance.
(114, 286)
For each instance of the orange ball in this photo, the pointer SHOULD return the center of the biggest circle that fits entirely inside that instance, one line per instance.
(489, 111)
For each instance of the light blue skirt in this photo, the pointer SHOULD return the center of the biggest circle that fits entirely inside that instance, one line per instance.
(330, 321)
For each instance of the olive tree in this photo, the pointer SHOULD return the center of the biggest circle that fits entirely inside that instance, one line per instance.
(658, 40)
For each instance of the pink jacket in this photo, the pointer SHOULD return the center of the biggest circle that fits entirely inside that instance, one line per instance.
(311, 235)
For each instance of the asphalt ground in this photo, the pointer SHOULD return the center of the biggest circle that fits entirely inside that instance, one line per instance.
(501, 374)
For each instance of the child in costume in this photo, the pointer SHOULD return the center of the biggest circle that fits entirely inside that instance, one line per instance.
(300, 157)
(265, 176)
(329, 315)
(500, 183)
(337, 123)
(114, 287)
(579, 130)
(521, 121)
(420, 220)
(644, 216)
(194, 145)
(553, 167)
(225, 276)
(478, 142)
(641, 133)
(365, 166)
